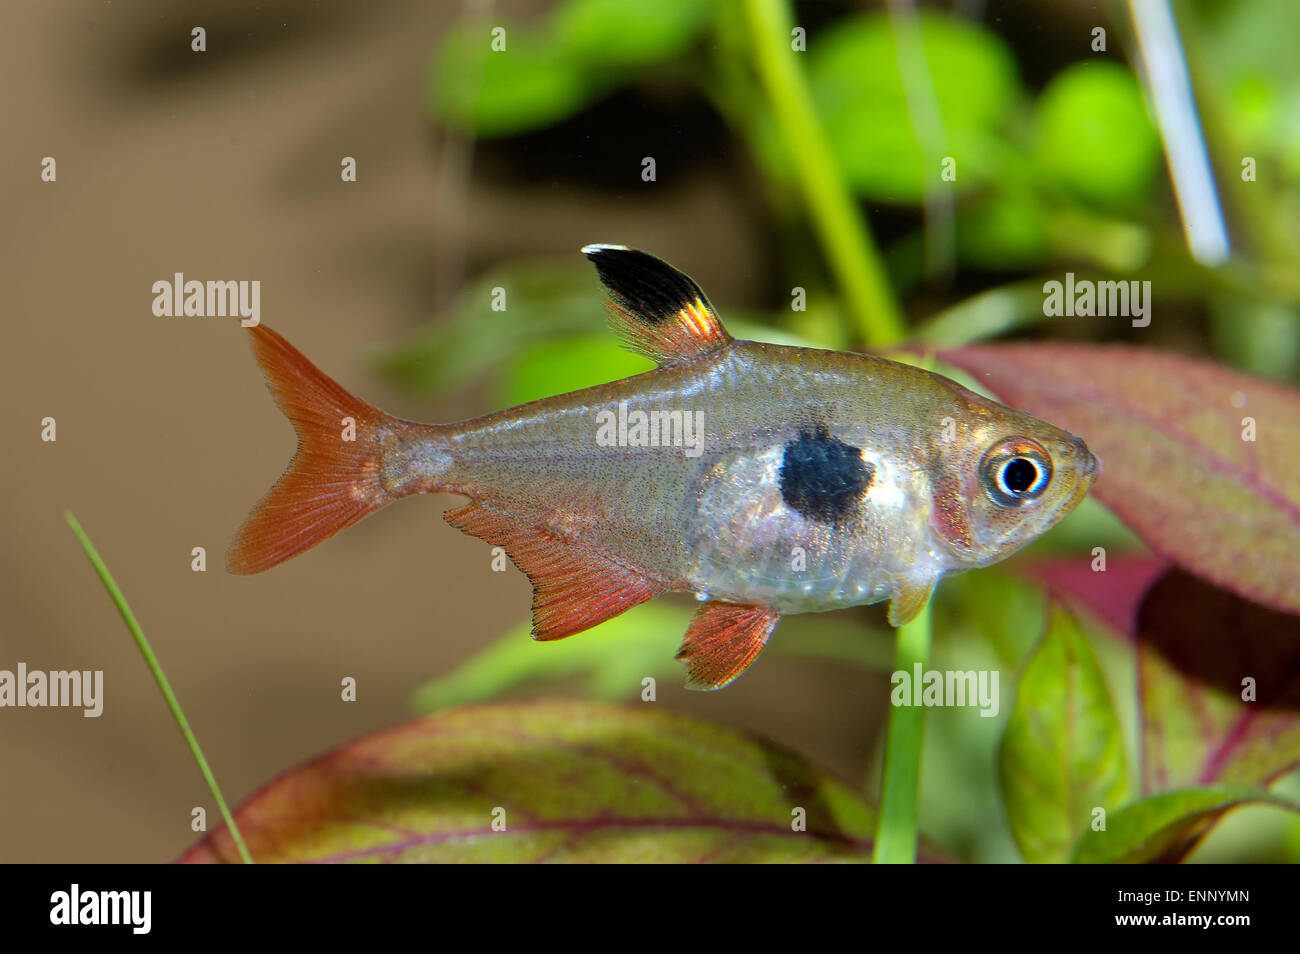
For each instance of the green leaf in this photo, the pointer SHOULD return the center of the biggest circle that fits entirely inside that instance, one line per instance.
(1062, 756)
(567, 364)
(625, 33)
(571, 781)
(1179, 464)
(1094, 137)
(528, 85)
(856, 83)
(1163, 825)
(1201, 651)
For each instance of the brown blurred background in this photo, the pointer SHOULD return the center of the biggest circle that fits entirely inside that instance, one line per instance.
(225, 165)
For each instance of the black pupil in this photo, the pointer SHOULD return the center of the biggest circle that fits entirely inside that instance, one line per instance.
(1020, 474)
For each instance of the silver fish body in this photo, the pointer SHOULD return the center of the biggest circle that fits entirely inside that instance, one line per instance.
(718, 524)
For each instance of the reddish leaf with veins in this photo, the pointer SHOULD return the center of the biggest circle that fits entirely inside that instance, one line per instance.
(1175, 465)
(570, 781)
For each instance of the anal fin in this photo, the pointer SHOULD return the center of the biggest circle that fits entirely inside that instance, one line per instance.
(722, 641)
(573, 588)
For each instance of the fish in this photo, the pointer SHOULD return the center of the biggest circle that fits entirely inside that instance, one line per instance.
(767, 480)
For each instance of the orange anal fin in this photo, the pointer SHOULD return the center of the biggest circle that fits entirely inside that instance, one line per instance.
(573, 588)
(657, 310)
(722, 641)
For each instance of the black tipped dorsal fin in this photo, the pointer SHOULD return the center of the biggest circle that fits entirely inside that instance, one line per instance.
(657, 311)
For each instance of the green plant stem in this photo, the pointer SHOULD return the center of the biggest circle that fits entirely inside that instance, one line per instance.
(927, 129)
(896, 835)
(844, 234)
(154, 667)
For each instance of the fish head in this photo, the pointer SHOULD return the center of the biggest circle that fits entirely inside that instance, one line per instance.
(1005, 479)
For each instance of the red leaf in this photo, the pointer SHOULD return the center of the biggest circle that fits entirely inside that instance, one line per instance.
(552, 781)
(1176, 467)
(1114, 595)
(1197, 644)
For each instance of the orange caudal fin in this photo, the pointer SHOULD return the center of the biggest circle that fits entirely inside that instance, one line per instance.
(722, 641)
(334, 478)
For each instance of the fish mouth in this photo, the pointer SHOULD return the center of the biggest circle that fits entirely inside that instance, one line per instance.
(1091, 463)
(1092, 470)
(1089, 469)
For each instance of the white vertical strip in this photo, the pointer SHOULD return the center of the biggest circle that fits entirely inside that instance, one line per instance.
(1171, 96)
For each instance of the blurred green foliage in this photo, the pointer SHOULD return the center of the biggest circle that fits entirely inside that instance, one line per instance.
(1066, 178)
(1093, 136)
(616, 34)
(585, 361)
(543, 301)
(856, 62)
(500, 95)
(645, 636)
(539, 74)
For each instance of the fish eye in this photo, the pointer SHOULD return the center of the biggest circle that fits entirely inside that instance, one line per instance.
(1015, 471)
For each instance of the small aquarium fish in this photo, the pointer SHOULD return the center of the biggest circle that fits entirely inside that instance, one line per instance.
(766, 480)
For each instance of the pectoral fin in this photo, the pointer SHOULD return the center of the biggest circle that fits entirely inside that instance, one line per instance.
(909, 601)
(722, 641)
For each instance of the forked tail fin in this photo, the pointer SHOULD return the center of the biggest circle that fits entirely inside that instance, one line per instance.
(334, 479)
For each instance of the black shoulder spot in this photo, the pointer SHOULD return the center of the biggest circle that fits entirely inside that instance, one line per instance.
(823, 478)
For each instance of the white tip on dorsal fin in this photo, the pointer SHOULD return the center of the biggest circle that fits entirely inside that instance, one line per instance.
(657, 311)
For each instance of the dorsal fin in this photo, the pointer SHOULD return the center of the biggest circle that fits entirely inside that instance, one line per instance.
(657, 311)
